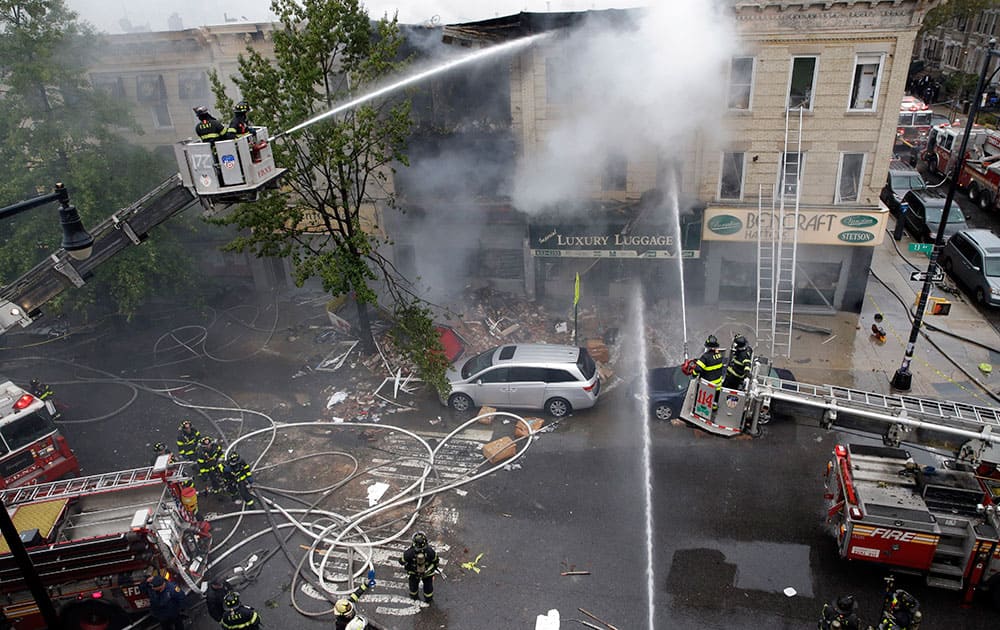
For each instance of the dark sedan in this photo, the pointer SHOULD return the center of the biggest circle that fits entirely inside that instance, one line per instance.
(667, 387)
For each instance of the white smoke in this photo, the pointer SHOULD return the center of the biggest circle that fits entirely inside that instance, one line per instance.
(635, 90)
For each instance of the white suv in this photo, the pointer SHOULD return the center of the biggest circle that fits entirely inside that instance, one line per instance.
(557, 379)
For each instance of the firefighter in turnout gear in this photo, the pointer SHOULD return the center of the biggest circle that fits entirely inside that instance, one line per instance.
(238, 478)
(711, 365)
(901, 612)
(345, 611)
(240, 124)
(421, 562)
(159, 449)
(40, 390)
(209, 129)
(739, 363)
(239, 616)
(841, 615)
(210, 464)
(187, 440)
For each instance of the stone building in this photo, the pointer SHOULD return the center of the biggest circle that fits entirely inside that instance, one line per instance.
(811, 92)
(960, 44)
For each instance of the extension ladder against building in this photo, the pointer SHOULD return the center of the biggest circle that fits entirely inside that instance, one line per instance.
(69, 488)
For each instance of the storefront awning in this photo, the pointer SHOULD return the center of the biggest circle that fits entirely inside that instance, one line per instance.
(827, 226)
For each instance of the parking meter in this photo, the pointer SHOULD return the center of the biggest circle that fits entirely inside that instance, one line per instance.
(897, 232)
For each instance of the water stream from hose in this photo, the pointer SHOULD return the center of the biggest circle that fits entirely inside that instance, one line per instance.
(639, 321)
(675, 212)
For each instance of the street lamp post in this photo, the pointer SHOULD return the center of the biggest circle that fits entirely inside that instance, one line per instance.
(79, 244)
(902, 379)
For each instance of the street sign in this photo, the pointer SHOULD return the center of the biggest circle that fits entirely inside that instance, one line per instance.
(923, 248)
(921, 276)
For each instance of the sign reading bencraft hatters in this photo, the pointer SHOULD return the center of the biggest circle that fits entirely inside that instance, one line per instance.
(605, 242)
(809, 227)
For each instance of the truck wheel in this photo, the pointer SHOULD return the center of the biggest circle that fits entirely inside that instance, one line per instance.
(984, 200)
(972, 192)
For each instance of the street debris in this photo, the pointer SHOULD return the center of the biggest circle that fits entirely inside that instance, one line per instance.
(597, 619)
(790, 592)
(474, 565)
(564, 573)
(336, 399)
(500, 449)
(335, 359)
(375, 492)
(985, 368)
(548, 621)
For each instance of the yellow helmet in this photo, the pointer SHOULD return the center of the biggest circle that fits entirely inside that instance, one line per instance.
(344, 608)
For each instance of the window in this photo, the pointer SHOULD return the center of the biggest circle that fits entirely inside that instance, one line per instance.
(192, 85)
(23, 431)
(849, 181)
(731, 180)
(528, 375)
(790, 173)
(803, 83)
(553, 375)
(498, 375)
(112, 86)
(507, 353)
(615, 172)
(864, 88)
(161, 116)
(740, 82)
(150, 88)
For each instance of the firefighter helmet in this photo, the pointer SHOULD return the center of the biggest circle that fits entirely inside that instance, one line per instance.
(846, 604)
(231, 600)
(234, 457)
(201, 112)
(712, 342)
(242, 108)
(420, 541)
(186, 426)
(344, 609)
(34, 383)
(740, 341)
(206, 441)
(159, 447)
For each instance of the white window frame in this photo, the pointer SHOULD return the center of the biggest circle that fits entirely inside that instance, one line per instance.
(729, 84)
(860, 60)
(812, 88)
(743, 175)
(781, 172)
(840, 173)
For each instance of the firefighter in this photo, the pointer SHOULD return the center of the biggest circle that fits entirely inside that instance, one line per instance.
(238, 477)
(346, 612)
(215, 599)
(166, 602)
(841, 615)
(159, 449)
(40, 390)
(209, 464)
(420, 561)
(739, 363)
(187, 440)
(209, 129)
(240, 124)
(711, 366)
(901, 613)
(239, 616)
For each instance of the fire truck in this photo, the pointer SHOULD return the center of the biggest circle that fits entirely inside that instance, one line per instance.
(32, 450)
(936, 515)
(94, 540)
(912, 128)
(945, 140)
(980, 176)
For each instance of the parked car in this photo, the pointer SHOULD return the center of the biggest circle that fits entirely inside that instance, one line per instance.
(972, 257)
(924, 215)
(553, 378)
(667, 387)
(901, 179)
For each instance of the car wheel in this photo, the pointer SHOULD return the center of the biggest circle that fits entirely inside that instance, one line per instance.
(558, 407)
(460, 402)
(663, 411)
(984, 200)
(981, 296)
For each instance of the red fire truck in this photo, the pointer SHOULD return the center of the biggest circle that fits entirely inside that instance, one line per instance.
(980, 176)
(32, 450)
(912, 128)
(945, 140)
(94, 540)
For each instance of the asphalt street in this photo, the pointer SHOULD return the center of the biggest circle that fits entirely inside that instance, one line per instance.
(734, 523)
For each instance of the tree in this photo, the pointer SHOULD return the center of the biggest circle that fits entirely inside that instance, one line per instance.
(327, 52)
(54, 127)
(944, 13)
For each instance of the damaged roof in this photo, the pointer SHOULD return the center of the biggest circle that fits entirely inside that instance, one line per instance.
(522, 24)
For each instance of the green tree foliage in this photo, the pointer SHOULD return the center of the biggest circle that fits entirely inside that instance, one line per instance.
(54, 127)
(327, 53)
(952, 9)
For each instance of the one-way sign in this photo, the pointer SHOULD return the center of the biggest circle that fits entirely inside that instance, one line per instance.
(921, 276)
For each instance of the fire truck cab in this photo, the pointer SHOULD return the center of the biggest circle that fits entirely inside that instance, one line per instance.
(945, 140)
(32, 450)
(94, 540)
(912, 127)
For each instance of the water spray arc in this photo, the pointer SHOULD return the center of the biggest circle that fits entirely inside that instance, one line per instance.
(639, 321)
(675, 212)
(416, 78)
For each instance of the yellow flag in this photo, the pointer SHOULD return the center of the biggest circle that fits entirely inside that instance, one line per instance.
(576, 291)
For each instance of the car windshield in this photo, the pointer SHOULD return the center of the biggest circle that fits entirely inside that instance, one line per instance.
(992, 267)
(26, 430)
(668, 380)
(478, 363)
(922, 119)
(908, 181)
(954, 215)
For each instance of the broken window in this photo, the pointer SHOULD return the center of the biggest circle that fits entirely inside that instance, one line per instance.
(192, 85)
(149, 88)
(615, 172)
(111, 85)
(790, 173)
(731, 180)
(849, 181)
(740, 82)
(803, 82)
(864, 89)
(161, 116)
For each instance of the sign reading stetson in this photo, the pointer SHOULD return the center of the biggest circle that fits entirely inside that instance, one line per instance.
(813, 227)
(605, 242)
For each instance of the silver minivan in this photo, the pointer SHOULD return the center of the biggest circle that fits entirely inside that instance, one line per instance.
(555, 378)
(973, 258)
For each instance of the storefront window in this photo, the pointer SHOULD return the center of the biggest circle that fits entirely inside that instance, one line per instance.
(816, 283)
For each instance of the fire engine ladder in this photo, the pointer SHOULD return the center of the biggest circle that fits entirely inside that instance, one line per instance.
(973, 422)
(70, 488)
(777, 248)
